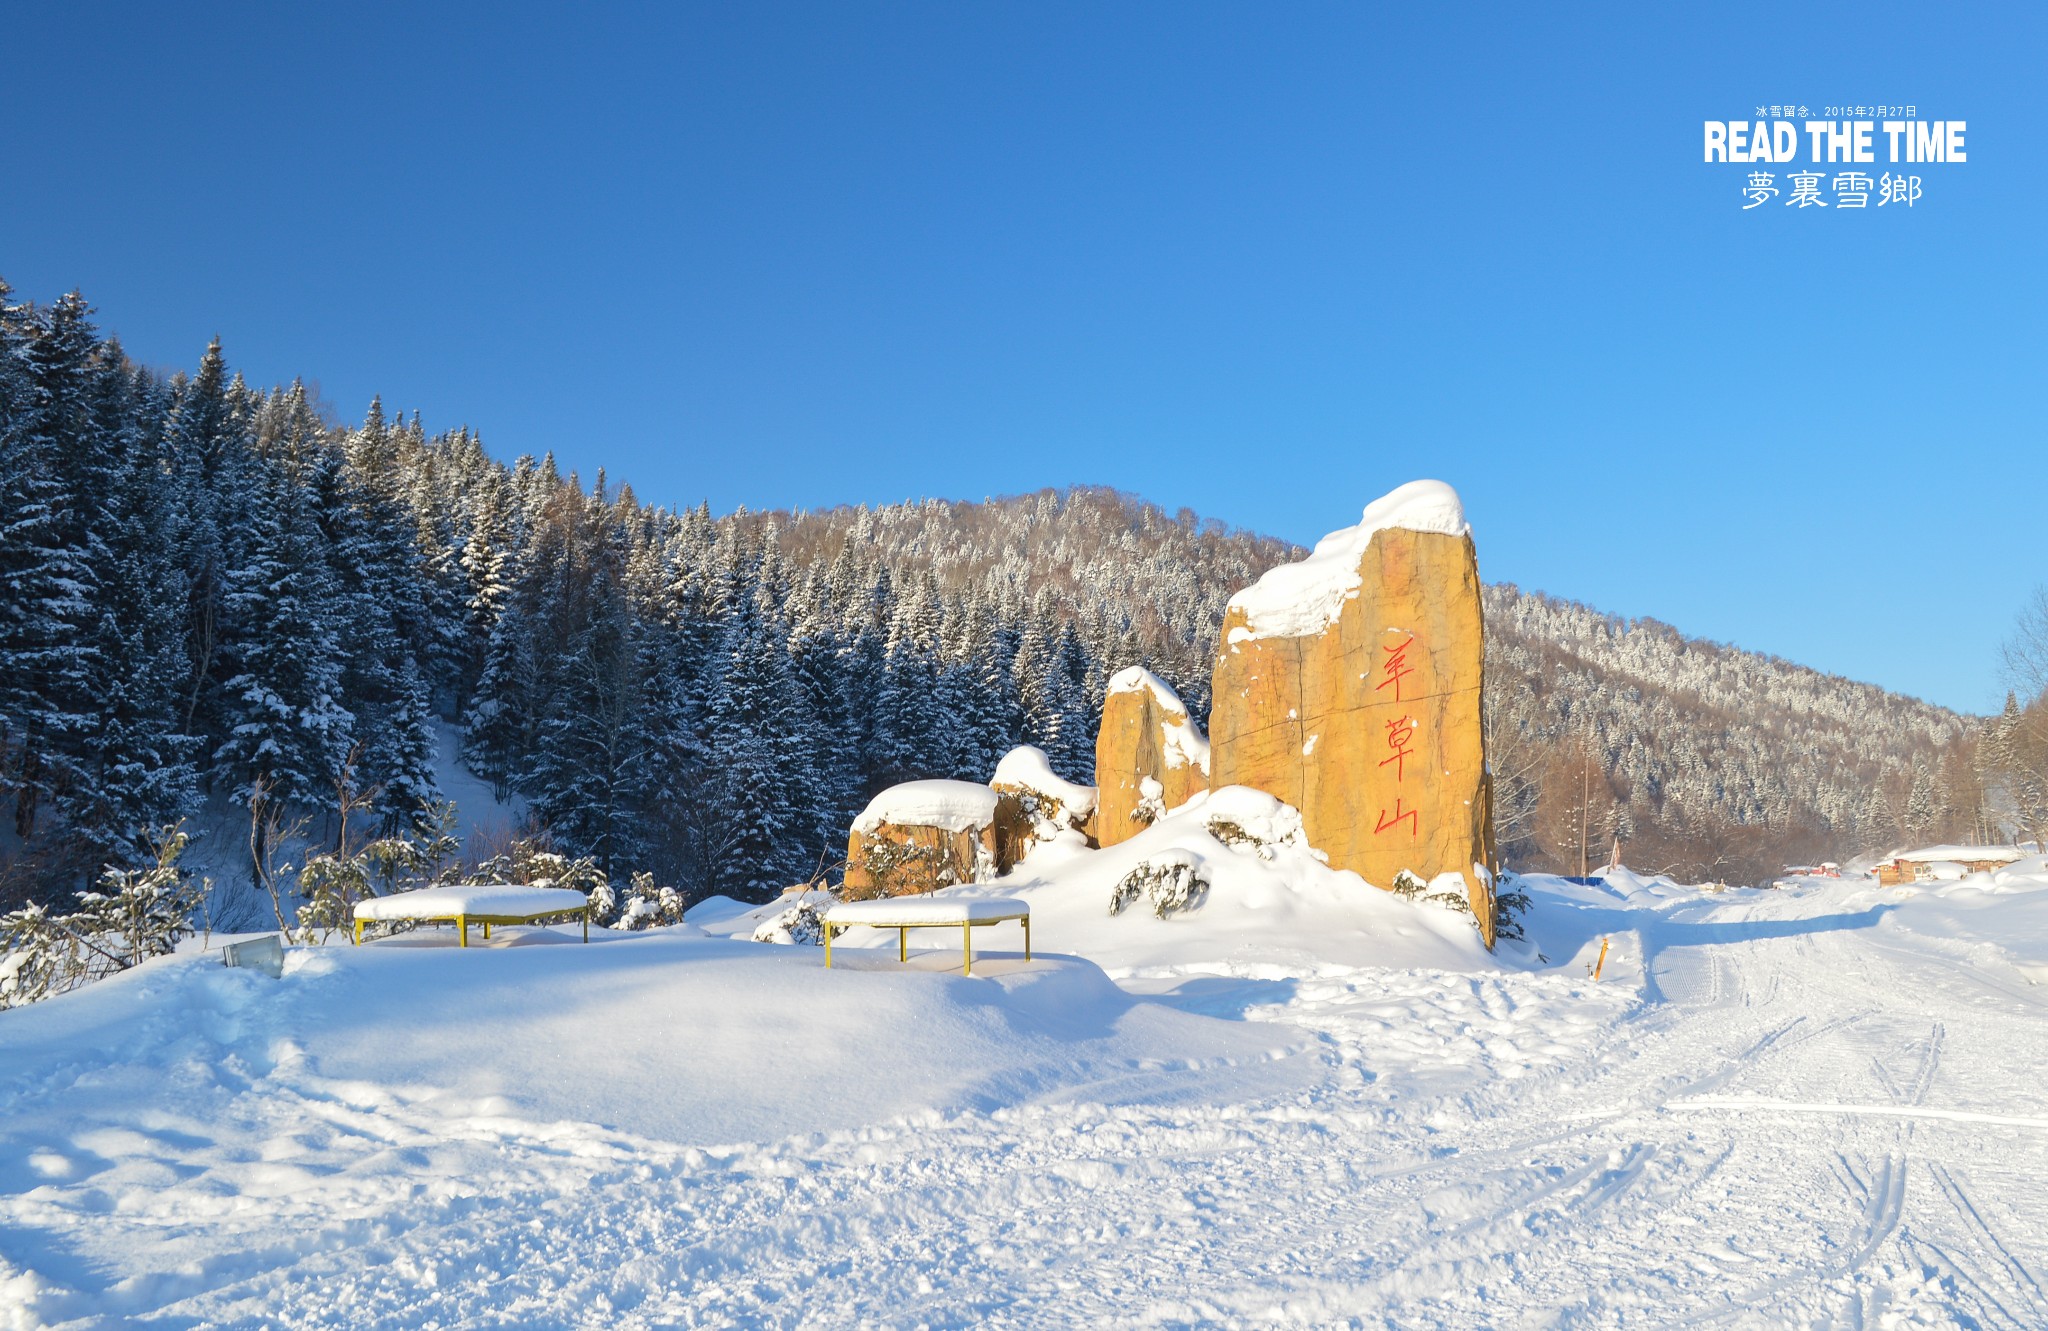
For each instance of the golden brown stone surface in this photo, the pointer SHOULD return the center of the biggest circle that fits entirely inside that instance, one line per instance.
(1034, 805)
(1371, 727)
(921, 836)
(1146, 733)
(891, 860)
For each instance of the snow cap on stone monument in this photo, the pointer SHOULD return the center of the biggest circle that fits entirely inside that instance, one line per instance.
(1296, 600)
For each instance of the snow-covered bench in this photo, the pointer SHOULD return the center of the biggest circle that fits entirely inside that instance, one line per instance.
(487, 905)
(906, 913)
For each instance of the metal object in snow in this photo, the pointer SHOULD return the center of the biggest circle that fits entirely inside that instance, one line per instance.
(257, 954)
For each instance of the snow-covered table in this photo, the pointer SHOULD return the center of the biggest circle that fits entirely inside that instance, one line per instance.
(487, 904)
(906, 913)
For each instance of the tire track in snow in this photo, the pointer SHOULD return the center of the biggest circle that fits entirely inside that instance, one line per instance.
(2018, 1280)
(1929, 1061)
(1567, 1195)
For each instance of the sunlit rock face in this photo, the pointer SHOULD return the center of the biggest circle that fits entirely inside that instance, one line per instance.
(1146, 736)
(1348, 685)
(921, 836)
(1035, 806)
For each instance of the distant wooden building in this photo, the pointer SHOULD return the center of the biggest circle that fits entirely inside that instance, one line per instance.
(1936, 863)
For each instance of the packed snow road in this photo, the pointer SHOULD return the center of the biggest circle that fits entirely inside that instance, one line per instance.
(1814, 1107)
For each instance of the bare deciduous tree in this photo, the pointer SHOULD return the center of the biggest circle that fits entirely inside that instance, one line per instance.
(2026, 651)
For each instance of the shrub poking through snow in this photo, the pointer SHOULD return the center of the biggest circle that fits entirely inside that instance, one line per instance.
(1151, 805)
(799, 925)
(1446, 891)
(1172, 880)
(133, 916)
(1510, 902)
(1259, 836)
(646, 906)
(331, 885)
(528, 864)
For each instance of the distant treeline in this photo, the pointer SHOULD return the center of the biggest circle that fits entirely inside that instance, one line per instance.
(213, 595)
(216, 599)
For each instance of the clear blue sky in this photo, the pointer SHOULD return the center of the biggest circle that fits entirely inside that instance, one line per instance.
(1263, 261)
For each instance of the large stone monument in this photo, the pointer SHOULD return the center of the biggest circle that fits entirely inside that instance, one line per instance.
(1348, 685)
(1150, 756)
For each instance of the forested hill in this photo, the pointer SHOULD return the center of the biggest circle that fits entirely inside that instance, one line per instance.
(216, 604)
(1708, 757)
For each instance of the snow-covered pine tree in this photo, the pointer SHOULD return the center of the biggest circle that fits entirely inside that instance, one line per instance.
(209, 480)
(486, 559)
(972, 683)
(865, 667)
(380, 613)
(582, 771)
(285, 728)
(818, 659)
(48, 545)
(909, 727)
(1923, 804)
(1061, 722)
(136, 765)
(760, 734)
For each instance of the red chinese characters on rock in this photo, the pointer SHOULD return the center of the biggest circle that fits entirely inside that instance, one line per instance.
(1395, 668)
(1401, 735)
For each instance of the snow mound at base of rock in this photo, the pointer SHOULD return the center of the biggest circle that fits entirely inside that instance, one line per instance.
(1270, 907)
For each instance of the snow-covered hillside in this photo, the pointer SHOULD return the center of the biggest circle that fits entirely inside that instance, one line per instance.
(1807, 1107)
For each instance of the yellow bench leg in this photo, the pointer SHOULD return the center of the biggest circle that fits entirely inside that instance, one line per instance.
(586, 924)
(967, 949)
(359, 933)
(828, 947)
(1027, 938)
(462, 923)
(487, 933)
(903, 945)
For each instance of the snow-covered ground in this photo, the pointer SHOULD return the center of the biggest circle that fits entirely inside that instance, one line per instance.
(1814, 1106)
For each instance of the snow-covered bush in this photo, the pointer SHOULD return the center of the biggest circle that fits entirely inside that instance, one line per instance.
(1510, 903)
(1446, 891)
(1254, 823)
(531, 864)
(799, 925)
(331, 884)
(1171, 879)
(645, 906)
(1151, 805)
(133, 915)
